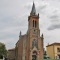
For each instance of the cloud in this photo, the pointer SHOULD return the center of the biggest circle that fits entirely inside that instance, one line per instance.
(54, 18)
(41, 8)
(56, 26)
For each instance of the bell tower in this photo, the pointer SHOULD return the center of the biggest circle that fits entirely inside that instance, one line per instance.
(35, 42)
(33, 22)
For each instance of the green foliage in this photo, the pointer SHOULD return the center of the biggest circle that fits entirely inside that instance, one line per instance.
(3, 51)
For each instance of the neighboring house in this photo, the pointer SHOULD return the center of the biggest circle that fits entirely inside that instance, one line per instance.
(11, 54)
(53, 50)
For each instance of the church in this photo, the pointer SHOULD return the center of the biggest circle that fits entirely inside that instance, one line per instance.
(30, 46)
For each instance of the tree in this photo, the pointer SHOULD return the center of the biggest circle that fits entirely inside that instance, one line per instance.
(3, 51)
(45, 55)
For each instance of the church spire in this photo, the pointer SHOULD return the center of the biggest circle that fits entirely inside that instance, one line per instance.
(33, 11)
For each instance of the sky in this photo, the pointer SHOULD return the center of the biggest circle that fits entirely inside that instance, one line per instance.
(14, 18)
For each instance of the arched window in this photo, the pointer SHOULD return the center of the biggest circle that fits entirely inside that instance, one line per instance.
(33, 23)
(34, 43)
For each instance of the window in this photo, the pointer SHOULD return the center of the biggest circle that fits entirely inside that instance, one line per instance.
(58, 57)
(34, 43)
(58, 49)
(33, 23)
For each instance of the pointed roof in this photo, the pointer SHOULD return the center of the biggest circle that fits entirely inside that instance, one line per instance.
(33, 11)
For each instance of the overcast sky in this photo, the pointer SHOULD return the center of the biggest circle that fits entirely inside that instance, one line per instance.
(14, 18)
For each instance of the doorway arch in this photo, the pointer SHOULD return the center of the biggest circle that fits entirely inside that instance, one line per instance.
(34, 55)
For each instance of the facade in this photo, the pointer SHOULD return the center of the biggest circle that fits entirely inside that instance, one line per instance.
(53, 50)
(11, 54)
(30, 45)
